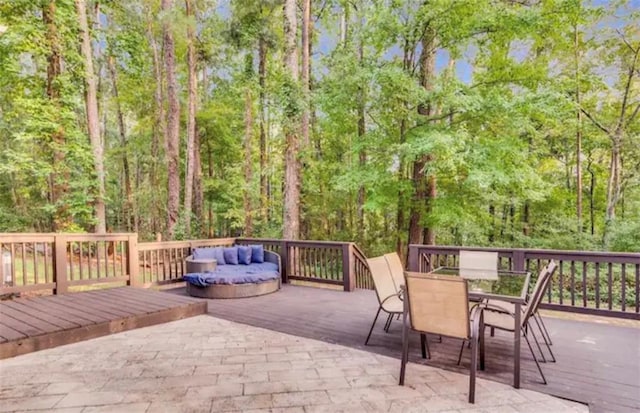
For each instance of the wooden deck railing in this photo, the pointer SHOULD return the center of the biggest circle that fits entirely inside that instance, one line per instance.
(56, 262)
(601, 283)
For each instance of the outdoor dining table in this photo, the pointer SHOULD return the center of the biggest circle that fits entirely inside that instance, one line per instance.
(509, 286)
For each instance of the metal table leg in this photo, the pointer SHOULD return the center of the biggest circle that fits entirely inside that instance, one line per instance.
(516, 346)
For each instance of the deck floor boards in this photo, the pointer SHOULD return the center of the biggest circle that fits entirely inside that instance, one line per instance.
(36, 323)
(598, 364)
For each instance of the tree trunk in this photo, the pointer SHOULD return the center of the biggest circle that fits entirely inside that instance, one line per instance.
(262, 76)
(158, 130)
(424, 186)
(59, 177)
(191, 118)
(291, 215)
(172, 134)
(198, 196)
(362, 156)
(344, 24)
(93, 120)
(592, 186)
(613, 185)
(210, 230)
(400, 216)
(578, 130)
(248, 171)
(306, 36)
(129, 212)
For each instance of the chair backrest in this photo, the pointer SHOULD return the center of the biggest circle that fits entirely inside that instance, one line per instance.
(544, 278)
(480, 264)
(382, 281)
(397, 270)
(438, 304)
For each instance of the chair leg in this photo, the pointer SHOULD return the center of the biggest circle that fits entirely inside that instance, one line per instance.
(424, 345)
(405, 350)
(388, 323)
(535, 340)
(546, 341)
(544, 380)
(460, 354)
(545, 333)
(373, 325)
(481, 342)
(472, 369)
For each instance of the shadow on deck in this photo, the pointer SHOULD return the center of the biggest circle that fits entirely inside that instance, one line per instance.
(38, 323)
(598, 364)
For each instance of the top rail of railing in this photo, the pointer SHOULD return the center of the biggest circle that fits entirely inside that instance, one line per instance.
(592, 282)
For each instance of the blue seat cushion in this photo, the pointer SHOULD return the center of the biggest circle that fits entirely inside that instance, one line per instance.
(238, 274)
(209, 253)
(231, 255)
(244, 255)
(257, 253)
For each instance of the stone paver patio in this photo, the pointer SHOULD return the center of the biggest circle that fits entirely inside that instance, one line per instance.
(205, 364)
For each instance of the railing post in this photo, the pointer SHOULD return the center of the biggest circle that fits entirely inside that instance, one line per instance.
(414, 262)
(60, 264)
(284, 256)
(348, 271)
(517, 260)
(133, 266)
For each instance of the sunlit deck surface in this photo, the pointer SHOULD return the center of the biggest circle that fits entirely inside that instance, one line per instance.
(598, 363)
(37, 323)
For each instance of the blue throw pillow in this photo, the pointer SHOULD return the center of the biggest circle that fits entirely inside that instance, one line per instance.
(231, 255)
(244, 255)
(257, 253)
(219, 255)
(204, 253)
(209, 253)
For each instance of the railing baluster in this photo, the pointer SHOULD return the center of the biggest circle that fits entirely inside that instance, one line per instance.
(573, 282)
(561, 289)
(80, 264)
(610, 279)
(597, 285)
(89, 254)
(584, 284)
(123, 268)
(47, 279)
(23, 250)
(113, 257)
(35, 263)
(637, 288)
(106, 259)
(623, 282)
(72, 272)
(97, 244)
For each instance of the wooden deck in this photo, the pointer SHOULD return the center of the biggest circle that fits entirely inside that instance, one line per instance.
(598, 364)
(31, 324)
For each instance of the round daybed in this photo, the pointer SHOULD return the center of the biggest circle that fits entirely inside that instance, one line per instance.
(230, 278)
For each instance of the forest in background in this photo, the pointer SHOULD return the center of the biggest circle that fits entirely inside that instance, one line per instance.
(384, 122)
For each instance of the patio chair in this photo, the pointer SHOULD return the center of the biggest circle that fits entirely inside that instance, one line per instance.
(484, 263)
(501, 315)
(388, 296)
(397, 274)
(544, 278)
(438, 304)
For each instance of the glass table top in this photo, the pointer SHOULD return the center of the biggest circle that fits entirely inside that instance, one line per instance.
(504, 285)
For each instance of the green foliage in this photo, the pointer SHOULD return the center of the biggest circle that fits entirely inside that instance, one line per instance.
(500, 136)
